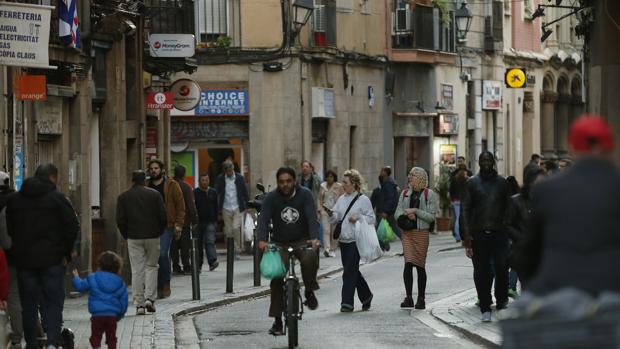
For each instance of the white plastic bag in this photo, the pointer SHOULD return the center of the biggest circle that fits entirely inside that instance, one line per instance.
(367, 241)
(248, 227)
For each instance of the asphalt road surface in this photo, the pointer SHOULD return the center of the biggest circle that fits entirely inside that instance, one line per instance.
(245, 324)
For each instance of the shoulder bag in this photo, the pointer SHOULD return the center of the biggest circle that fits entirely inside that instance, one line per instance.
(338, 227)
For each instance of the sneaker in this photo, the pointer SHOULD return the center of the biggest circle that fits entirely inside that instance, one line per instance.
(311, 302)
(165, 291)
(332, 254)
(344, 309)
(213, 265)
(140, 311)
(502, 305)
(420, 304)
(486, 316)
(512, 293)
(407, 303)
(366, 306)
(150, 306)
(326, 254)
(276, 329)
(14, 345)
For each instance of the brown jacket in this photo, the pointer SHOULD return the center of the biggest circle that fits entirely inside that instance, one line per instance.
(175, 204)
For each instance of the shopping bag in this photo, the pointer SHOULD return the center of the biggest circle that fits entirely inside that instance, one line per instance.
(385, 232)
(271, 265)
(367, 241)
(248, 227)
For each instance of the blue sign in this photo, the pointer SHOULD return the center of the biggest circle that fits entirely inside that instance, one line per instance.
(223, 102)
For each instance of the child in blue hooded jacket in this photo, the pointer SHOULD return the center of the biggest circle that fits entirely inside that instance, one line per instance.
(108, 298)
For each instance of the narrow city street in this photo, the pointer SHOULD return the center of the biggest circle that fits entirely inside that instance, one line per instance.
(245, 324)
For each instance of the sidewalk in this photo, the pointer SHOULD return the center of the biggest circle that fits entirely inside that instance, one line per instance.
(158, 330)
(461, 313)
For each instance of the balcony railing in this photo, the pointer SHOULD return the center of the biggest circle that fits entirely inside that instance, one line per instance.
(169, 16)
(423, 28)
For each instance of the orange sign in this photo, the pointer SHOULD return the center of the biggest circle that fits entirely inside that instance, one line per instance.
(30, 88)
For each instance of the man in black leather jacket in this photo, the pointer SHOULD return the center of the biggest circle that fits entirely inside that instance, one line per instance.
(485, 201)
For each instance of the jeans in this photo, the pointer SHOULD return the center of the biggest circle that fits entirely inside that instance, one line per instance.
(309, 267)
(352, 278)
(512, 279)
(206, 238)
(184, 245)
(456, 205)
(164, 272)
(493, 247)
(44, 290)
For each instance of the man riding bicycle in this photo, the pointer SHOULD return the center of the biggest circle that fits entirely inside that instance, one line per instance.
(292, 211)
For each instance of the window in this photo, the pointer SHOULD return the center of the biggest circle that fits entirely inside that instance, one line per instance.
(528, 9)
(324, 23)
(366, 7)
(219, 18)
(507, 7)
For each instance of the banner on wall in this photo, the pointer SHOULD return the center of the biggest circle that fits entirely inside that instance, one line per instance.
(186, 159)
(448, 154)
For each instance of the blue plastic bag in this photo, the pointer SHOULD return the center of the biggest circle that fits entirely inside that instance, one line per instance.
(271, 265)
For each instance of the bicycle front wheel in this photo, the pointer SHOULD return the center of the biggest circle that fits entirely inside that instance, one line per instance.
(292, 308)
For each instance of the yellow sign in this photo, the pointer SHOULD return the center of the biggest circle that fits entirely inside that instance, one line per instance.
(515, 78)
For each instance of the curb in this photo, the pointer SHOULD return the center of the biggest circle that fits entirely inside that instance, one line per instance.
(472, 336)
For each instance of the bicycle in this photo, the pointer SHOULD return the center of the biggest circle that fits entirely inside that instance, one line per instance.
(293, 304)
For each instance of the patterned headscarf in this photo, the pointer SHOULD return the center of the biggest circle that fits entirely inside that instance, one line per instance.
(419, 180)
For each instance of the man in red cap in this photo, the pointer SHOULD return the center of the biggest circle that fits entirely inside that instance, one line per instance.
(574, 236)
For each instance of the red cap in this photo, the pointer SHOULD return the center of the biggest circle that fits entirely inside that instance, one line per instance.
(591, 130)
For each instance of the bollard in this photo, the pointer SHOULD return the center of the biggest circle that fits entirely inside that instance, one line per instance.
(230, 262)
(257, 254)
(195, 266)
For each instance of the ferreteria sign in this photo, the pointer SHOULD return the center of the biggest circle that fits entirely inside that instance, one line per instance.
(24, 35)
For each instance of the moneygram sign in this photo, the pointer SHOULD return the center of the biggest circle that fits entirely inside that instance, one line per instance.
(24, 35)
(172, 45)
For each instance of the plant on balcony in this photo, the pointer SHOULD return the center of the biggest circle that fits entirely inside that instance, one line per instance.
(224, 41)
(444, 8)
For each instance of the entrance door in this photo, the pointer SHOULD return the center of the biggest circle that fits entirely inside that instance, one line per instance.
(410, 152)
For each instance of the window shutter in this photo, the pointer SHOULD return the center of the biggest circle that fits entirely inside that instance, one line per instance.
(213, 19)
(319, 18)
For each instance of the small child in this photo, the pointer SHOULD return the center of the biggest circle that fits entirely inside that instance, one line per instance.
(108, 298)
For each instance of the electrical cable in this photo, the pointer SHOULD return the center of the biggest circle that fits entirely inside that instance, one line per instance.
(610, 17)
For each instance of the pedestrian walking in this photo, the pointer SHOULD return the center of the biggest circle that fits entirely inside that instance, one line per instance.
(574, 240)
(232, 202)
(206, 205)
(387, 201)
(309, 179)
(43, 228)
(291, 209)
(351, 207)
(484, 207)
(328, 195)
(456, 188)
(141, 220)
(108, 298)
(184, 243)
(172, 195)
(518, 218)
(417, 207)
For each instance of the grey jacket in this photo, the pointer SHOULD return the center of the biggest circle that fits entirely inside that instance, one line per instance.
(425, 214)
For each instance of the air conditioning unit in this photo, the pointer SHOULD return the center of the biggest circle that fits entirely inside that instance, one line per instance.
(323, 102)
(402, 20)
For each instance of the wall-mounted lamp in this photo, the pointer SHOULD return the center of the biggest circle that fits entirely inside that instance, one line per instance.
(463, 21)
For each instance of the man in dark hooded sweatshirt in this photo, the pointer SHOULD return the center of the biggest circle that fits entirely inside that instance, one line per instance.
(43, 227)
(486, 199)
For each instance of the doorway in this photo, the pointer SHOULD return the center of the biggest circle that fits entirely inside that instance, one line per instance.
(410, 152)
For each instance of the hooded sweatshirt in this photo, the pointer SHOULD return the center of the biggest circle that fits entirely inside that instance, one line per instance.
(108, 293)
(42, 225)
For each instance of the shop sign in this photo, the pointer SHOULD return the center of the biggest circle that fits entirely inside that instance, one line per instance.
(515, 78)
(172, 45)
(223, 102)
(30, 88)
(448, 154)
(49, 116)
(24, 34)
(447, 124)
(185, 94)
(150, 144)
(159, 100)
(447, 96)
(491, 95)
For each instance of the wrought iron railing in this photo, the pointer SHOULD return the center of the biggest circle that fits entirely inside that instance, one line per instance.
(169, 16)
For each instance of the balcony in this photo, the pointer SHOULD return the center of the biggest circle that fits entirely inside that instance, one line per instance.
(169, 16)
(423, 35)
(54, 38)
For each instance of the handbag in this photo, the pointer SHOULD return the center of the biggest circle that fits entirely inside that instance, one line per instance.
(338, 227)
(404, 222)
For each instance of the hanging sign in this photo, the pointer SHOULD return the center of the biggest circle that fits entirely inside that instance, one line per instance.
(515, 78)
(24, 34)
(159, 100)
(186, 94)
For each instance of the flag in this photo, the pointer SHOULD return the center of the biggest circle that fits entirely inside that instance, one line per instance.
(68, 29)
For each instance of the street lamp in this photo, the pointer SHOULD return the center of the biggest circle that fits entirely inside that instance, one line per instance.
(463, 21)
(303, 11)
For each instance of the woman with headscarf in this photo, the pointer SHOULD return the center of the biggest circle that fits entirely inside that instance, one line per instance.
(416, 210)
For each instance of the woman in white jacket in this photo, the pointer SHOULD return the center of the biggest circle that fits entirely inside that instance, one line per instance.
(361, 209)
